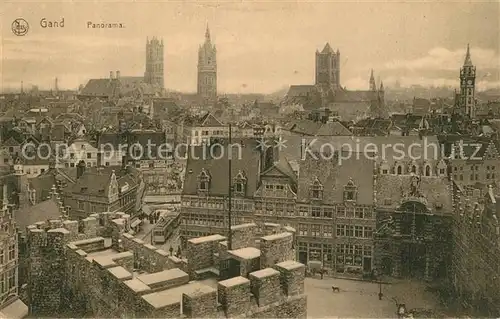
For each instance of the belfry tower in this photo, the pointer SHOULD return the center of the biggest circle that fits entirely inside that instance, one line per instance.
(207, 70)
(468, 86)
(154, 62)
(328, 68)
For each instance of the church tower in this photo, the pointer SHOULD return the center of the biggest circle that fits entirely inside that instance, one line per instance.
(154, 62)
(373, 86)
(468, 86)
(207, 70)
(328, 68)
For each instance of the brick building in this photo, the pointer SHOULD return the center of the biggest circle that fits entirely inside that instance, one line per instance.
(476, 254)
(10, 304)
(99, 270)
(104, 189)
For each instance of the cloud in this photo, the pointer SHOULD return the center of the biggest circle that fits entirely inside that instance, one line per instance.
(445, 59)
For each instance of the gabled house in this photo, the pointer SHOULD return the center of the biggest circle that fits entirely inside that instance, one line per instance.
(208, 127)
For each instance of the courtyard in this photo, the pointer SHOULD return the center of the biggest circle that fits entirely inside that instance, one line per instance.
(359, 299)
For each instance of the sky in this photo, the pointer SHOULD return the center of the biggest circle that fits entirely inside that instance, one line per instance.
(262, 46)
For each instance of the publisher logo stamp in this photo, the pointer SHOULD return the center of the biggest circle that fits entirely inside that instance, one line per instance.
(20, 27)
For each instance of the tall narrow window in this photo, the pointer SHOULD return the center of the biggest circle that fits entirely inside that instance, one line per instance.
(240, 182)
(316, 191)
(427, 170)
(203, 181)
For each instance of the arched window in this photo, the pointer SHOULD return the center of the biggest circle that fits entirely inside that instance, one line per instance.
(427, 170)
(399, 170)
(414, 169)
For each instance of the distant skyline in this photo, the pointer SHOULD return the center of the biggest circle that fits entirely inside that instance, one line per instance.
(262, 47)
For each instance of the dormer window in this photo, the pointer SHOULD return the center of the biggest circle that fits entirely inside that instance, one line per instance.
(350, 191)
(240, 182)
(316, 189)
(203, 181)
(399, 170)
(427, 170)
(384, 168)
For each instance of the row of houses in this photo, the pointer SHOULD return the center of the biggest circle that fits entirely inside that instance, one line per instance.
(340, 208)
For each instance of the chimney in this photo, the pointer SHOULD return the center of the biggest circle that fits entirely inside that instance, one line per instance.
(80, 169)
(111, 75)
(117, 74)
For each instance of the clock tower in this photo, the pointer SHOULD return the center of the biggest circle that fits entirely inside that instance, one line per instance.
(468, 86)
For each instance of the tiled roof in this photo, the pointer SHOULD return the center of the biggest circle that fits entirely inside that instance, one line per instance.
(355, 96)
(94, 182)
(100, 87)
(334, 175)
(217, 169)
(301, 90)
(333, 129)
(395, 188)
(209, 120)
(350, 111)
(45, 210)
(388, 146)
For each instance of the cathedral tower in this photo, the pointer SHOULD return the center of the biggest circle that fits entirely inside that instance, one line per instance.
(207, 70)
(328, 67)
(154, 62)
(373, 86)
(468, 86)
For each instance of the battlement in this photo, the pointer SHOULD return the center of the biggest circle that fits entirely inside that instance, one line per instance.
(99, 224)
(114, 274)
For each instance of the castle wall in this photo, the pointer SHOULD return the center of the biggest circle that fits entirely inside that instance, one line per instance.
(76, 276)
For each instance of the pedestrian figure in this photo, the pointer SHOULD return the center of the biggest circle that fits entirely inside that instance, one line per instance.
(179, 251)
(380, 295)
(171, 250)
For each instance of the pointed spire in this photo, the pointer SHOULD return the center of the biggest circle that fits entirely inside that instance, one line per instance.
(327, 48)
(468, 61)
(373, 86)
(207, 35)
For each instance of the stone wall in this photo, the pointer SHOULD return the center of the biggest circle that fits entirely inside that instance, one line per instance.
(75, 275)
(276, 248)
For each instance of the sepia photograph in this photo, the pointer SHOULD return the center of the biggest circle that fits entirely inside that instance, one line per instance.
(258, 159)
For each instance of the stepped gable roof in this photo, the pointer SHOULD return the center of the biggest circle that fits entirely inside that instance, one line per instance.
(217, 169)
(333, 175)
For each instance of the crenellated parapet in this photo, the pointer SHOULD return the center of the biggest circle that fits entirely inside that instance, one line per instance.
(95, 268)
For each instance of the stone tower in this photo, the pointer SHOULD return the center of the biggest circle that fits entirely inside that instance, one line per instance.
(328, 67)
(154, 62)
(468, 86)
(207, 70)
